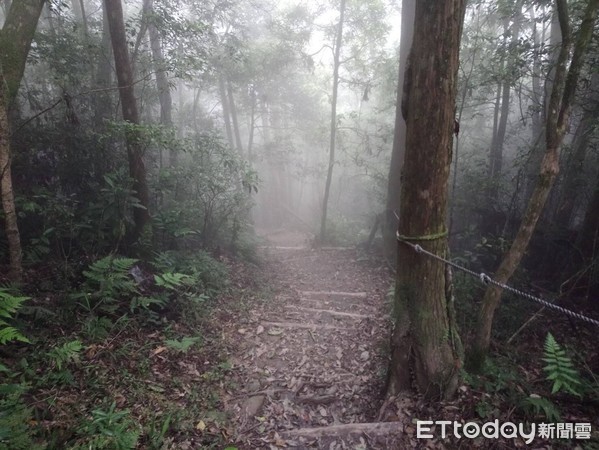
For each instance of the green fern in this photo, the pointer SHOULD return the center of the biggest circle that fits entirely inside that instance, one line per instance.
(536, 405)
(9, 305)
(15, 416)
(172, 281)
(66, 353)
(560, 369)
(107, 282)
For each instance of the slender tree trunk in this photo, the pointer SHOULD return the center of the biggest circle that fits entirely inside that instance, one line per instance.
(226, 113)
(103, 78)
(15, 42)
(537, 91)
(460, 110)
(80, 16)
(496, 157)
(137, 170)
(425, 347)
(164, 89)
(336, 64)
(11, 227)
(558, 113)
(252, 126)
(399, 137)
(588, 245)
(537, 150)
(572, 182)
(234, 121)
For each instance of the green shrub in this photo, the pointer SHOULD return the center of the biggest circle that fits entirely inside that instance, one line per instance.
(15, 432)
(108, 429)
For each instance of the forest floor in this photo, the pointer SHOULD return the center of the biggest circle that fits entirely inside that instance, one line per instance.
(292, 354)
(311, 362)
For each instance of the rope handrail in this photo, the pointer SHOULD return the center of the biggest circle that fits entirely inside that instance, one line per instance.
(486, 279)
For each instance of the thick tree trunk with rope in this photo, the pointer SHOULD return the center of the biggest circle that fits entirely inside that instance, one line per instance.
(425, 348)
(558, 113)
(15, 42)
(137, 169)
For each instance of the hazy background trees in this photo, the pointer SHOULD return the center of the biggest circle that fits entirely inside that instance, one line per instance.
(192, 124)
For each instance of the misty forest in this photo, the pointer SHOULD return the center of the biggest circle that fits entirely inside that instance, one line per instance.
(243, 224)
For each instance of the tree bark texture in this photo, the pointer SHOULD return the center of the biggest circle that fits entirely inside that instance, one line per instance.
(333, 136)
(11, 227)
(399, 136)
(425, 345)
(137, 170)
(558, 112)
(15, 42)
(537, 149)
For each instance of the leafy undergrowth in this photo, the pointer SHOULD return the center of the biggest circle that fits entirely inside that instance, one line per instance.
(135, 358)
(547, 375)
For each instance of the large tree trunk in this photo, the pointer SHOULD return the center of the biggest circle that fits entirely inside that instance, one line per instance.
(15, 42)
(137, 170)
(408, 8)
(558, 112)
(425, 343)
(333, 137)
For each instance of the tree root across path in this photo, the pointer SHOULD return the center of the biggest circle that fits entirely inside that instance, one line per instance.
(311, 361)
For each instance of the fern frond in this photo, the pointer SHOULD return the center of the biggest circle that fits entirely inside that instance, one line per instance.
(8, 334)
(559, 368)
(9, 304)
(67, 352)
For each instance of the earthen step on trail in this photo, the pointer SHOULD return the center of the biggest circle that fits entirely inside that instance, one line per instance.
(282, 247)
(310, 326)
(359, 307)
(329, 311)
(294, 315)
(372, 429)
(320, 294)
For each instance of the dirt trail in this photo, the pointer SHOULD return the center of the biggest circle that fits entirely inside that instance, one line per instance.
(312, 360)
